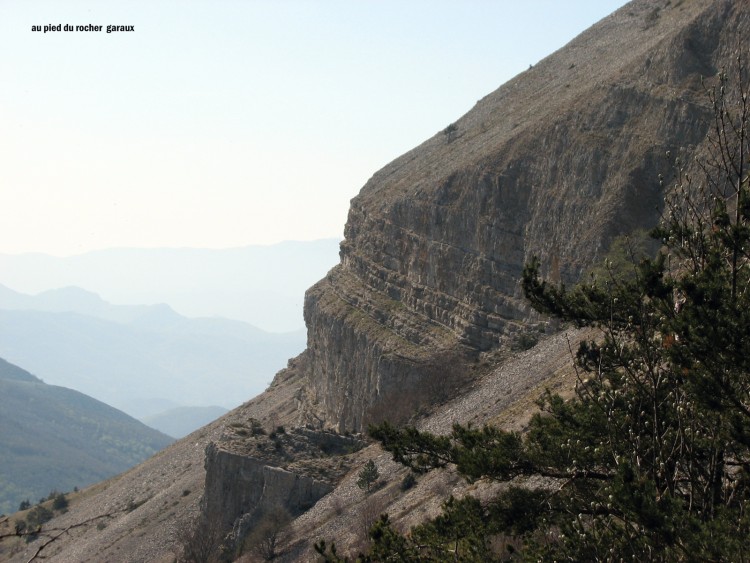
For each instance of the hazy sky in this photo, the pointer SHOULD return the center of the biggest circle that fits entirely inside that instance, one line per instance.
(226, 123)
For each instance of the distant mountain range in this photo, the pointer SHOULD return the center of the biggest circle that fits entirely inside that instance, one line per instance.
(56, 438)
(140, 359)
(261, 285)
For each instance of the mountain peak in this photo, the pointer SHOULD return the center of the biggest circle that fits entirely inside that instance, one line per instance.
(76, 297)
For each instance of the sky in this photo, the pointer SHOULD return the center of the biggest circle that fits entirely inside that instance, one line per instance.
(225, 123)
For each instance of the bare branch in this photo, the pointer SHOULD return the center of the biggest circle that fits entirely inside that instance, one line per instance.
(52, 534)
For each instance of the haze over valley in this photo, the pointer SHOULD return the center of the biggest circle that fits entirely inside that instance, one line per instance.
(263, 285)
(155, 360)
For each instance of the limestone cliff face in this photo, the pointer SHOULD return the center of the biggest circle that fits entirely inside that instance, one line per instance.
(555, 163)
(250, 473)
(239, 485)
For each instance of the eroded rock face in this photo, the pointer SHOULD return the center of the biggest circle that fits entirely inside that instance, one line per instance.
(252, 474)
(239, 485)
(555, 164)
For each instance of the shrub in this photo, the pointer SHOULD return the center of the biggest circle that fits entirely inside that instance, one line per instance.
(409, 481)
(368, 476)
(525, 340)
(38, 516)
(450, 132)
(59, 502)
(256, 428)
(200, 541)
(264, 538)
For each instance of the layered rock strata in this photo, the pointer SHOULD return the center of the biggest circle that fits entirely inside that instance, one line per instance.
(556, 164)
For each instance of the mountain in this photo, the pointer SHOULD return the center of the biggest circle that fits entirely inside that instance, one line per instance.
(181, 421)
(260, 285)
(71, 299)
(132, 356)
(9, 372)
(53, 438)
(420, 318)
(557, 163)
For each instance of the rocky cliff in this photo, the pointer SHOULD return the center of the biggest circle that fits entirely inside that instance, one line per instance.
(556, 163)
(249, 472)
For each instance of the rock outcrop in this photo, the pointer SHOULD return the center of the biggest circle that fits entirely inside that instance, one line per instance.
(239, 484)
(556, 164)
(250, 474)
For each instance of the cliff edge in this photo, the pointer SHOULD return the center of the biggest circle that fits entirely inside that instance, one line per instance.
(556, 163)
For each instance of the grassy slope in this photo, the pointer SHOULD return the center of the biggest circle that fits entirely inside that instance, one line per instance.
(56, 438)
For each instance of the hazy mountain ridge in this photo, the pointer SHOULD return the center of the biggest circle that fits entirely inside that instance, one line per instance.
(56, 438)
(127, 355)
(72, 299)
(261, 285)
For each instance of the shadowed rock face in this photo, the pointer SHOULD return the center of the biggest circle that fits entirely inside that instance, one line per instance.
(556, 163)
(240, 484)
(250, 477)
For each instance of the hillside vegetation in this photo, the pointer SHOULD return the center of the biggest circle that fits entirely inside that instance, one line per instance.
(53, 438)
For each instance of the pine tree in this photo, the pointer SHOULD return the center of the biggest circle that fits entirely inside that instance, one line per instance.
(368, 476)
